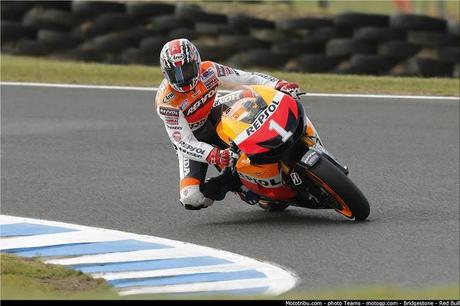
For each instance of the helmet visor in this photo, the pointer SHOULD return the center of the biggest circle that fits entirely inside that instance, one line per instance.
(182, 75)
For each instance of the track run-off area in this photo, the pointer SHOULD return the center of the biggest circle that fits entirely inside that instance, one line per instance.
(100, 157)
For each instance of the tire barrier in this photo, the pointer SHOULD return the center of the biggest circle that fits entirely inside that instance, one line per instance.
(378, 34)
(306, 23)
(399, 50)
(345, 47)
(133, 32)
(356, 20)
(418, 23)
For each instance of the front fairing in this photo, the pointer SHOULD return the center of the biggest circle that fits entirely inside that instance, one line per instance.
(263, 122)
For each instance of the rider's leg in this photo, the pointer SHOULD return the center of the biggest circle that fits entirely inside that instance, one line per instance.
(192, 174)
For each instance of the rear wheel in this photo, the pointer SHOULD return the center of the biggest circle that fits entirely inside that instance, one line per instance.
(338, 191)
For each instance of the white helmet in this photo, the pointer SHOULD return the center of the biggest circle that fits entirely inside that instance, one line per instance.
(180, 63)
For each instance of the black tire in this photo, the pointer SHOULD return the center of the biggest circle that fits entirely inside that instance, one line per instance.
(454, 28)
(33, 47)
(378, 34)
(432, 39)
(297, 48)
(258, 58)
(356, 20)
(343, 47)
(313, 63)
(268, 35)
(240, 42)
(399, 50)
(183, 32)
(64, 5)
(138, 56)
(12, 31)
(214, 29)
(303, 23)
(112, 42)
(86, 55)
(58, 40)
(93, 8)
(371, 64)
(193, 13)
(153, 45)
(110, 22)
(213, 52)
(50, 19)
(144, 9)
(325, 34)
(417, 23)
(449, 54)
(325, 174)
(241, 20)
(167, 23)
(14, 10)
(426, 67)
(456, 72)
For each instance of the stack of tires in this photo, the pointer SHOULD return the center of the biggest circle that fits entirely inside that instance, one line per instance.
(133, 32)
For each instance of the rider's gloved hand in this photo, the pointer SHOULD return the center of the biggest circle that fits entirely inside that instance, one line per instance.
(220, 158)
(291, 89)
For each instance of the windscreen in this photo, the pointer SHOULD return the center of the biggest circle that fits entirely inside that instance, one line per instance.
(243, 105)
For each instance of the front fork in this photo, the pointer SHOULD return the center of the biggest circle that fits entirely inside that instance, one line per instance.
(307, 194)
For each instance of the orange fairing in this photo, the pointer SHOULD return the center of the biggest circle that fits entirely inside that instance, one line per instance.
(265, 180)
(232, 122)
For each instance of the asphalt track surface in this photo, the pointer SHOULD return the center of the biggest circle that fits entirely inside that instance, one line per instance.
(102, 158)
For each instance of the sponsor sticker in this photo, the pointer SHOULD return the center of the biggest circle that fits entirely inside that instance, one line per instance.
(224, 70)
(265, 76)
(168, 97)
(211, 83)
(201, 102)
(296, 178)
(167, 111)
(177, 136)
(207, 74)
(177, 57)
(172, 121)
(183, 105)
(311, 159)
(196, 125)
(265, 182)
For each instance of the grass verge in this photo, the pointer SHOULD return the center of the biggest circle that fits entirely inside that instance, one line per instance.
(32, 69)
(25, 278)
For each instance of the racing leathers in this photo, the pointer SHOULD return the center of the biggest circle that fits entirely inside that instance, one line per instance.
(190, 123)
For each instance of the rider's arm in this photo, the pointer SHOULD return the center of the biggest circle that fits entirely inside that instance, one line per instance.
(181, 135)
(230, 77)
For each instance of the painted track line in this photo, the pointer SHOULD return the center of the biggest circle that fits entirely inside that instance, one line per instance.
(138, 264)
(151, 89)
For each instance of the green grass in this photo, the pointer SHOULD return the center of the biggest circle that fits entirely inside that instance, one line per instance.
(32, 69)
(24, 278)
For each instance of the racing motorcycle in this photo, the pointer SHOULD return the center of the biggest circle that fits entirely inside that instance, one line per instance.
(279, 155)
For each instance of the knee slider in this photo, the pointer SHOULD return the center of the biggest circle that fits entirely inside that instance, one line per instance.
(192, 196)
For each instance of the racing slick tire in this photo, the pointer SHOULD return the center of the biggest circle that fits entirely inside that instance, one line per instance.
(349, 199)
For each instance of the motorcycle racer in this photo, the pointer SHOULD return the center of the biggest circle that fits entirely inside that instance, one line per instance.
(185, 100)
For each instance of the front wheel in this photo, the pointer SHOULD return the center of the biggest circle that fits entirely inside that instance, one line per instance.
(337, 190)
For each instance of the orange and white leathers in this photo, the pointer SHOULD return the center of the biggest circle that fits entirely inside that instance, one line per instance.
(184, 114)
